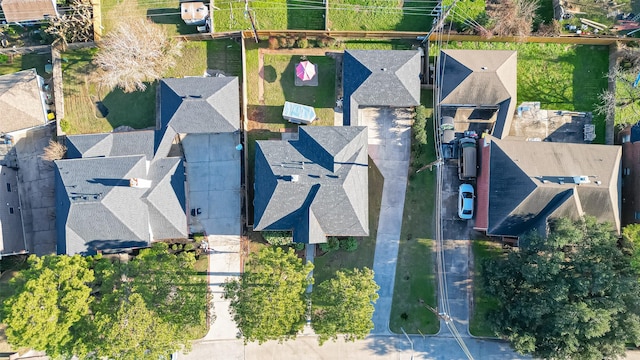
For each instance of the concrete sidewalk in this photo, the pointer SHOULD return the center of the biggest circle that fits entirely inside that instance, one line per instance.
(224, 263)
(389, 148)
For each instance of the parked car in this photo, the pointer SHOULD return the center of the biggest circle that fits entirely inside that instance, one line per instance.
(465, 201)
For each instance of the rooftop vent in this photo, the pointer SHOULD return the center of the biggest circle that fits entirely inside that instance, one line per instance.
(294, 178)
(139, 183)
(582, 179)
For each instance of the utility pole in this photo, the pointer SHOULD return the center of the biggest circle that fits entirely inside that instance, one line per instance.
(443, 17)
(247, 12)
(410, 341)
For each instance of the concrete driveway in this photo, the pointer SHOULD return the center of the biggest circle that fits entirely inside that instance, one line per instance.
(389, 148)
(36, 184)
(456, 247)
(213, 177)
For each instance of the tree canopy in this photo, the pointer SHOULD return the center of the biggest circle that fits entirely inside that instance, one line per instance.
(344, 305)
(50, 297)
(93, 307)
(136, 51)
(268, 300)
(572, 295)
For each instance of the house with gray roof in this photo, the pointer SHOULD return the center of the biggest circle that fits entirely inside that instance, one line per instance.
(316, 186)
(522, 185)
(375, 78)
(125, 190)
(483, 82)
(22, 101)
(195, 105)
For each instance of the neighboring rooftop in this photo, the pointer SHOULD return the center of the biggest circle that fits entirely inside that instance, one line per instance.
(196, 105)
(529, 183)
(11, 231)
(481, 78)
(379, 78)
(315, 186)
(100, 208)
(28, 10)
(21, 101)
(111, 144)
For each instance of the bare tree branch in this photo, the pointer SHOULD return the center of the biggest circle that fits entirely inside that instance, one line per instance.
(135, 52)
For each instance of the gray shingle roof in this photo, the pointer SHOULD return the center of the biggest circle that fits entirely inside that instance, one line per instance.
(531, 182)
(196, 105)
(329, 196)
(21, 101)
(481, 77)
(111, 144)
(97, 209)
(379, 78)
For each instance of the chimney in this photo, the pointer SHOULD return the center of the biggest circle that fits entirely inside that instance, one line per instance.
(139, 183)
(295, 178)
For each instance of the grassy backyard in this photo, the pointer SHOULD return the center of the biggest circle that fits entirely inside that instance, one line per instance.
(163, 12)
(136, 109)
(16, 63)
(482, 303)
(410, 15)
(559, 76)
(270, 15)
(415, 284)
(327, 264)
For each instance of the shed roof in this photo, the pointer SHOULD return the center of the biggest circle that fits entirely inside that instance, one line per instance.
(111, 144)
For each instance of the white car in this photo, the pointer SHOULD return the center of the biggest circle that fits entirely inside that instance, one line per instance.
(465, 201)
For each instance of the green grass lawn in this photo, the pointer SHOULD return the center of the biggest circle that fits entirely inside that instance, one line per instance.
(408, 15)
(163, 12)
(269, 15)
(135, 109)
(482, 303)
(327, 264)
(16, 63)
(415, 284)
(279, 76)
(559, 76)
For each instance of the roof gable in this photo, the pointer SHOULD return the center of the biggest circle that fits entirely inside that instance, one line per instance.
(380, 78)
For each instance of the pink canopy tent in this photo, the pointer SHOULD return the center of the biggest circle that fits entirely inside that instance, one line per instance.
(305, 70)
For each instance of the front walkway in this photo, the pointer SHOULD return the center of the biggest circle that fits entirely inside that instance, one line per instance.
(389, 148)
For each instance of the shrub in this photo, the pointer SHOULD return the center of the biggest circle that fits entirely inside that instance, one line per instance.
(197, 237)
(4, 58)
(282, 41)
(298, 246)
(302, 43)
(278, 238)
(273, 42)
(325, 41)
(349, 244)
(54, 151)
(332, 244)
(65, 126)
(291, 42)
(419, 125)
(189, 247)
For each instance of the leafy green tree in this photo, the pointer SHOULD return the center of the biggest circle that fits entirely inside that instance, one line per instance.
(631, 234)
(50, 297)
(268, 300)
(344, 305)
(170, 286)
(573, 295)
